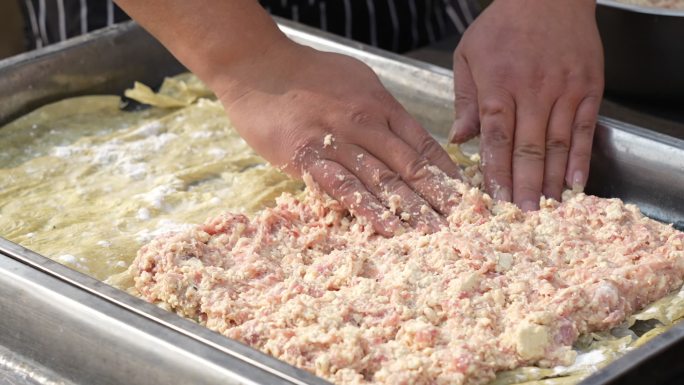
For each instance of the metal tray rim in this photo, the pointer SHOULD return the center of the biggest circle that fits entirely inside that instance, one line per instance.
(665, 139)
(157, 315)
(642, 9)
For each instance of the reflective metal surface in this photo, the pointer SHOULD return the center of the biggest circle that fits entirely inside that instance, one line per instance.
(642, 167)
(101, 62)
(656, 363)
(16, 369)
(644, 50)
(88, 332)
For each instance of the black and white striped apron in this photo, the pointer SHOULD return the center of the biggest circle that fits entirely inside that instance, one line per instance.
(396, 25)
(51, 21)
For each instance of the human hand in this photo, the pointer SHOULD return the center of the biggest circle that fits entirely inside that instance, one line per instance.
(529, 78)
(286, 99)
(328, 115)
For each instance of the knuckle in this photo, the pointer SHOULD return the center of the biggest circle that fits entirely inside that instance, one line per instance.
(584, 127)
(557, 146)
(416, 169)
(386, 180)
(585, 75)
(574, 95)
(539, 79)
(345, 186)
(531, 151)
(462, 99)
(582, 78)
(595, 80)
(494, 107)
(494, 134)
(360, 116)
(429, 147)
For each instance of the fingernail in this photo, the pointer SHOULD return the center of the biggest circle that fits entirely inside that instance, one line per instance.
(391, 227)
(502, 194)
(528, 206)
(453, 131)
(578, 181)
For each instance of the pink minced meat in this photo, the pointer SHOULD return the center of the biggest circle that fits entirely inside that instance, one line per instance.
(498, 289)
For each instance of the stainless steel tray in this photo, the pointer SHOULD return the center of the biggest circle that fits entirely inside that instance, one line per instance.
(644, 53)
(83, 331)
(87, 332)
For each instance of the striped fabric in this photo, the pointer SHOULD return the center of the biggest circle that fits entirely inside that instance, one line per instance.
(396, 25)
(51, 21)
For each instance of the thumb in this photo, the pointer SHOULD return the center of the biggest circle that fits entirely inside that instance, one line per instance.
(467, 122)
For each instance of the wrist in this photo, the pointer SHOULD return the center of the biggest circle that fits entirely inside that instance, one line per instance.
(217, 62)
(588, 5)
(272, 67)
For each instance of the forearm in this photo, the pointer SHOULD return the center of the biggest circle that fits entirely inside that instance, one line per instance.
(550, 9)
(216, 39)
(589, 4)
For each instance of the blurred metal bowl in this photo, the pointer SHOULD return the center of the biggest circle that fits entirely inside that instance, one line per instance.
(644, 48)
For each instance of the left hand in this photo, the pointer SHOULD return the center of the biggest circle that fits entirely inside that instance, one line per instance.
(327, 115)
(529, 78)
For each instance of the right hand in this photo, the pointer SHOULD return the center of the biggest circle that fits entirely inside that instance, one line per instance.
(287, 101)
(529, 78)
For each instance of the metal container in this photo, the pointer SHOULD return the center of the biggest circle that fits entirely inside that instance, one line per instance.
(58, 322)
(62, 326)
(644, 51)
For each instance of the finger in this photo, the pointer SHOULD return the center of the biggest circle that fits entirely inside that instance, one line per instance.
(580, 145)
(432, 184)
(467, 123)
(388, 187)
(411, 132)
(344, 187)
(497, 117)
(529, 151)
(558, 137)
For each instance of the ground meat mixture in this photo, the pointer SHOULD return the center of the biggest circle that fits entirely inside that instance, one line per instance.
(498, 289)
